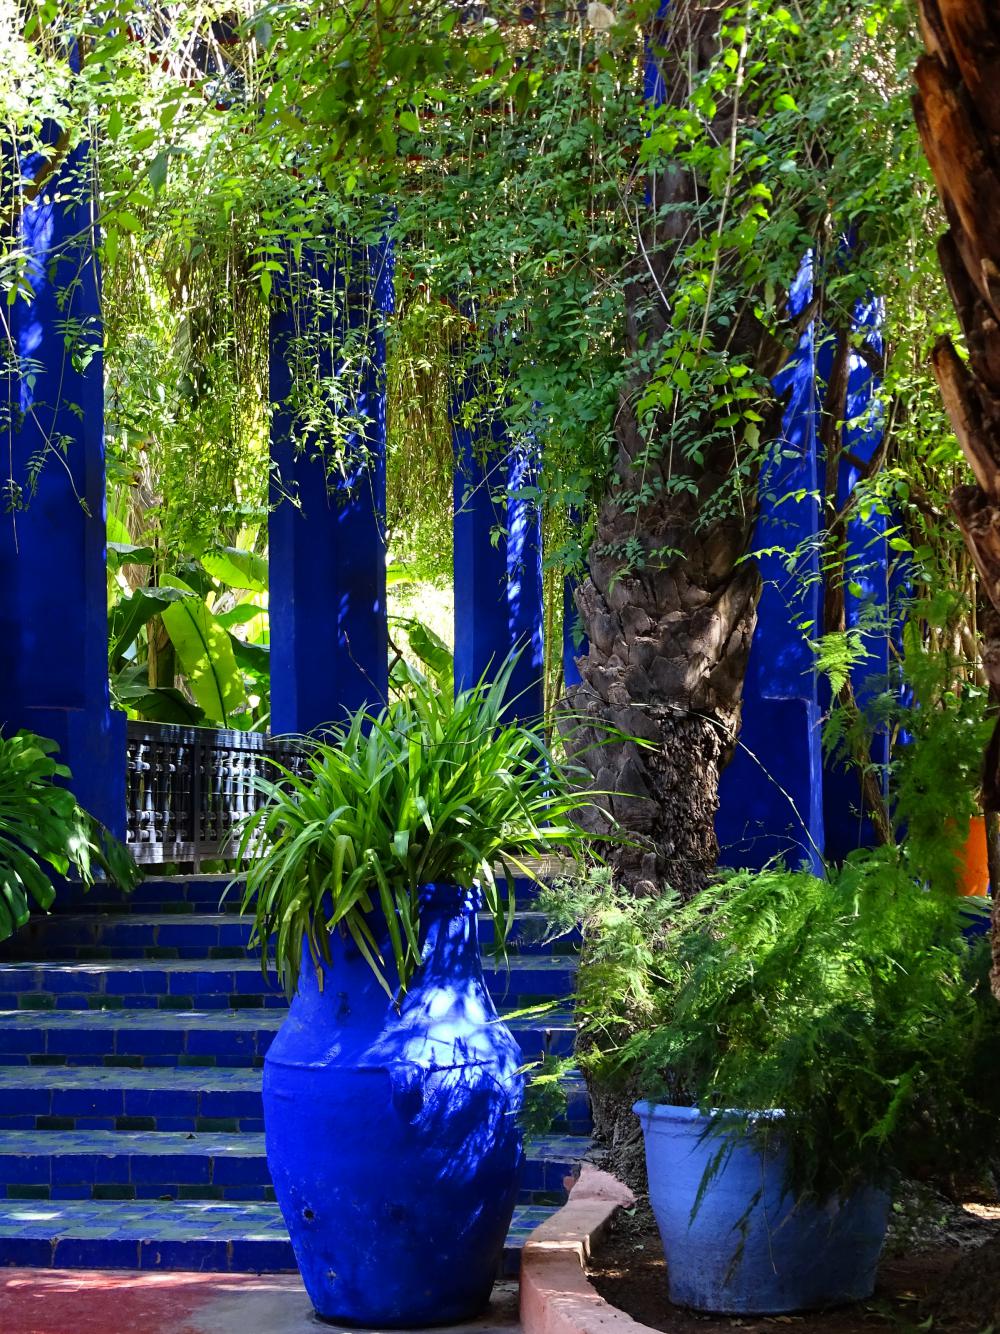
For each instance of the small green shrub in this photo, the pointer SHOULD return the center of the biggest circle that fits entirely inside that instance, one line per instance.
(937, 721)
(45, 831)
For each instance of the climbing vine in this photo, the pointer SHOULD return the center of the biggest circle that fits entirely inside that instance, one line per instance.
(230, 141)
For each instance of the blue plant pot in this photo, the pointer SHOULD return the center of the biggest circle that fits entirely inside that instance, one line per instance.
(392, 1134)
(748, 1248)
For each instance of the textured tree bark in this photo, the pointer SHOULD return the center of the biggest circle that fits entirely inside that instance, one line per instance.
(669, 629)
(957, 108)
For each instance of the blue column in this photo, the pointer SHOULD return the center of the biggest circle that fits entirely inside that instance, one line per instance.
(53, 611)
(771, 793)
(329, 645)
(867, 597)
(498, 583)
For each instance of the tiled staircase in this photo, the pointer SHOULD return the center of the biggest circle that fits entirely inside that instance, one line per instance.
(132, 1035)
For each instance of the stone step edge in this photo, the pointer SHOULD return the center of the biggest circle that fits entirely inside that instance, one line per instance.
(242, 1018)
(514, 963)
(183, 1143)
(187, 1079)
(96, 1234)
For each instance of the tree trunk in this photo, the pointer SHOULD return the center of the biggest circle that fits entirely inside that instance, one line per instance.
(669, 622)
(957, 109)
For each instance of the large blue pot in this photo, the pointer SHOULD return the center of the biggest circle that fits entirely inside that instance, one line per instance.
(392, 1135)
(747, 1247)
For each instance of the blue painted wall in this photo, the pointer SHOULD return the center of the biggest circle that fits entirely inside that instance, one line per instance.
(784, 700)
(771, 793)
(498, 584)
(868, 598)
(53, 612)
(329, 645)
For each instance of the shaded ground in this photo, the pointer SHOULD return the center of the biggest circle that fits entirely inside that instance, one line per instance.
(933, 1275)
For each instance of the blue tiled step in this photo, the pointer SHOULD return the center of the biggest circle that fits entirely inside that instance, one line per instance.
(96, 935)
(153, 1234)
(108, 1164)
(98, 1097)
(120, 1165)
(223, 983)
(182, 893)
(143, 1037)
(138, 984)
(152, 1037)
(123, 1088)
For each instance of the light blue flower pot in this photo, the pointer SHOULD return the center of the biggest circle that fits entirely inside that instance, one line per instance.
(748, 1247)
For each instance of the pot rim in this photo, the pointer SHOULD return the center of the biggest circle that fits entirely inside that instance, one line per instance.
(648, 1110)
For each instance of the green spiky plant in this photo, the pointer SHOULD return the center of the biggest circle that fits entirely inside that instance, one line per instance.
(45, 832)
(433, 788)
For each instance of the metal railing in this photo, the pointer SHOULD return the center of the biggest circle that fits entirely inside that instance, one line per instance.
(188, 788)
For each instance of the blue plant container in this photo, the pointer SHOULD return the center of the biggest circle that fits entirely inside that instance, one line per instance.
(793, 1257)
(392, 1134)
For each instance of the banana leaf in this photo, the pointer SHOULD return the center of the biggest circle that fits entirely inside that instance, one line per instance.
(237, 569)
(205, 652)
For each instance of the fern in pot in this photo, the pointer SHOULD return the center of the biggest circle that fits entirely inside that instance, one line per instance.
(391, 1091)
(801, 1044)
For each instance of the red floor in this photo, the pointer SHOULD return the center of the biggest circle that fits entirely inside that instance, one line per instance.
(43, 1301)
(66, 1301)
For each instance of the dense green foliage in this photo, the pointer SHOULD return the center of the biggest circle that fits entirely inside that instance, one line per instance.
(435, 788)
(45, 833)
(516, 156)
(200, 623)
(854, 1004)
(511, 162)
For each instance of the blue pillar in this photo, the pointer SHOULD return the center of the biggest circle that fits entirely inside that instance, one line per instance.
(867, 597)
(771, 793)
(498, 583)
(53, 611)
(329, 639)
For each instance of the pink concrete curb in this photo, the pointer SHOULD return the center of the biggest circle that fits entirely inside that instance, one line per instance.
(556, 1296)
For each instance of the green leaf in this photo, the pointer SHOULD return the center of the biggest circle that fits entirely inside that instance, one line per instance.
(205, 651)
(237, 569)
(161, 704)
(431, 649)
(43, 831)
(158, 170)
(131, 613)
(125, 553)
(241, 614)
(254, 659)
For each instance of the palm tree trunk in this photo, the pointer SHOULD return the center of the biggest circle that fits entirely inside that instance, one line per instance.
(958, 114)
(669, 608)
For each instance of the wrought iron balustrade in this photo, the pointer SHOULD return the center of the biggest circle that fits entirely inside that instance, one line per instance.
(188, 788)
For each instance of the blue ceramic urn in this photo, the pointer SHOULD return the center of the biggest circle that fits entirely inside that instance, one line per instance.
(741, 1243)
(392, 1134)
